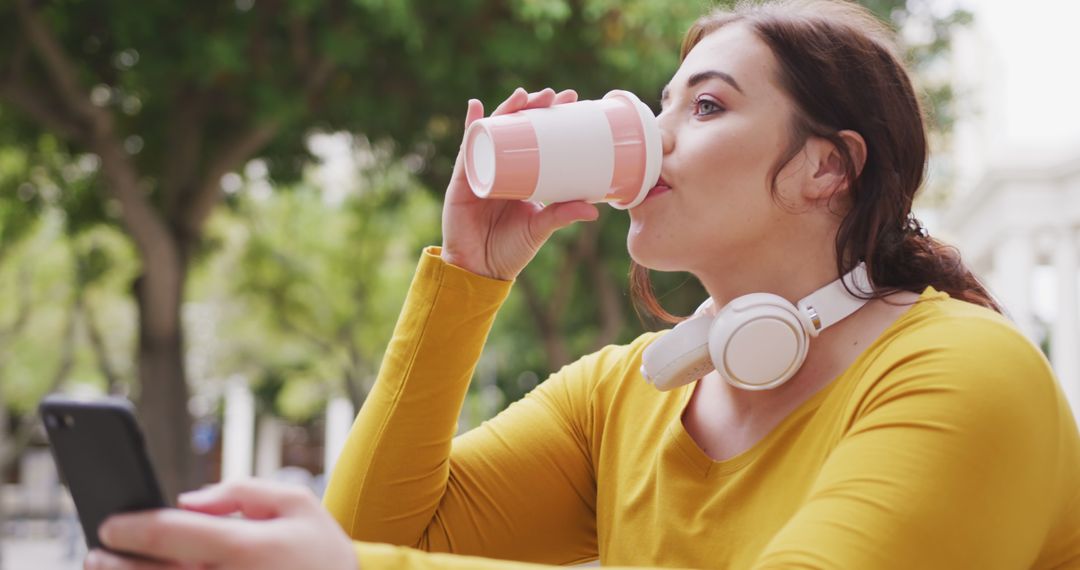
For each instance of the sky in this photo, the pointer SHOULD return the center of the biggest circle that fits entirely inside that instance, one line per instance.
(1017, 83)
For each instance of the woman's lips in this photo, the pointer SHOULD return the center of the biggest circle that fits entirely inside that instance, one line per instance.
(661, 187)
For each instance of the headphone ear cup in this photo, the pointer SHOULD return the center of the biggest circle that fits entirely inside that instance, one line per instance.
(757, 341)
(679, 357)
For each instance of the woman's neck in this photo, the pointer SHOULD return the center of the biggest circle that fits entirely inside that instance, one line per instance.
(792, 277)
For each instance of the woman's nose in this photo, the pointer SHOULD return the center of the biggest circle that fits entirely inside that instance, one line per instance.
(667, 140)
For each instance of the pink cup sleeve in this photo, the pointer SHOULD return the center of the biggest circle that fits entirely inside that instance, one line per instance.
(630, 153)
(517, 158)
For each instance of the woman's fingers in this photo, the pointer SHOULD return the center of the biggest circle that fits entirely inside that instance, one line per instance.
(565, 96)
(520, 100)
(253, 498)
(186, 536)
(515, 101)
(475, 111)
(172, 534)
(540, 99)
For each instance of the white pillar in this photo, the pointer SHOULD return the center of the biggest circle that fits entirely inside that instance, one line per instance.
(268, 446)
(1065, 338)
(236, 446)
(39, 481)
(339, 419)
(1014, 262)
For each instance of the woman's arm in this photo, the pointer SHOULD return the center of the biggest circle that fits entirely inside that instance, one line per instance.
(952, 461)
(520, 486)
(396, 471)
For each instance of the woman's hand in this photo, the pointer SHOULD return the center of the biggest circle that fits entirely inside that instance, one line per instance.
(283, 526)
(498, 238)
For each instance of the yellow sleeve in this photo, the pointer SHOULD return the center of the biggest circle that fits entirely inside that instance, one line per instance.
(520, 486)
(952, 460)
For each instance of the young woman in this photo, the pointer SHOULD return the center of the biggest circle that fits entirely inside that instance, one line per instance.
(922, 431)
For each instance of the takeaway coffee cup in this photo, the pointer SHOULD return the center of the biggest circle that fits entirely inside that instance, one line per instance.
(606, 150)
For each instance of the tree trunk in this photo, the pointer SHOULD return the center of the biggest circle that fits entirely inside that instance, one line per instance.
(163, 393)
(546, 319)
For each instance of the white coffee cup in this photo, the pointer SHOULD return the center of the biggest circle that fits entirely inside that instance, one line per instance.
(607, 150)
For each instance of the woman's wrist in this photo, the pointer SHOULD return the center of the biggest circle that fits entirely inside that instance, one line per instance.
(456, 274)
(460, 262)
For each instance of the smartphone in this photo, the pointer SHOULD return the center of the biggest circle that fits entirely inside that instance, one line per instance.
(99, 452)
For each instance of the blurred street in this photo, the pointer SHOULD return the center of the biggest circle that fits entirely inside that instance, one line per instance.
(38, 554)
(42, 545)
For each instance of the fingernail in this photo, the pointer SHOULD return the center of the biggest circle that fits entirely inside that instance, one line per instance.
(193, 496)
(93, 560)
(105, 532)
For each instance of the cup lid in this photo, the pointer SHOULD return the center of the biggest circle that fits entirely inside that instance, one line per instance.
(654, 153)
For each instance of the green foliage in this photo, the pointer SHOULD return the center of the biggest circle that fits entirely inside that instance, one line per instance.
(42, 275)
(307, 286)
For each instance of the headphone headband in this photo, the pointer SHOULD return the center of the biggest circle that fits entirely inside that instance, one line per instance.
(834, 302)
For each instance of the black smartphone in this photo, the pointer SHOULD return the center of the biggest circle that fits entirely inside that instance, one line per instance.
(99, 452)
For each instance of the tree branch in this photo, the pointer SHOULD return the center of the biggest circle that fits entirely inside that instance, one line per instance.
(60, 69)
(162, 277)
(235, 154)
(288, 324)
(155, 243)
(34, 104)
(609, 302)
(180, 170)
(299, 43)
(545, 323)
(356, 391)
(22, 315)
(585, 242)
(28, 425)
(101, 352)
(317, 79)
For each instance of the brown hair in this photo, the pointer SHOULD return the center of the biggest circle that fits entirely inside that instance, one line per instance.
(838, 64)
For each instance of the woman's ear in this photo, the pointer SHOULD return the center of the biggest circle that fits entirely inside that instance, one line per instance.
(830, 176)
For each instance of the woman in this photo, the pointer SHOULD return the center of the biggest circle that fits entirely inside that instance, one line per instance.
(922, 431)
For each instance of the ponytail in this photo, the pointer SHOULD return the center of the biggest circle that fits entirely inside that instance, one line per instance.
(908, 259)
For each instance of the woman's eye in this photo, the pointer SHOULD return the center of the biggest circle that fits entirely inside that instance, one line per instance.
(706, 107)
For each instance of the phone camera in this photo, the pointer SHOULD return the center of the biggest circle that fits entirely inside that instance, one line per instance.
(60, 421)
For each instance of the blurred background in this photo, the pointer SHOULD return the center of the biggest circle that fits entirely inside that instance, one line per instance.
(215, 207)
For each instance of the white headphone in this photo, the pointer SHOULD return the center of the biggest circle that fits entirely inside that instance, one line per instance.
(756, 342)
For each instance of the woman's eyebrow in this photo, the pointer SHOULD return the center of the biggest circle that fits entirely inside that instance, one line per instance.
(702, 76)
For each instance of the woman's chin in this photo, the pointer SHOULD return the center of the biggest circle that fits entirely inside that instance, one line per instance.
(648, 252)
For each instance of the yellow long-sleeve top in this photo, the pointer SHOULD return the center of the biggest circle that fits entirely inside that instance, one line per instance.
(947, 444)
